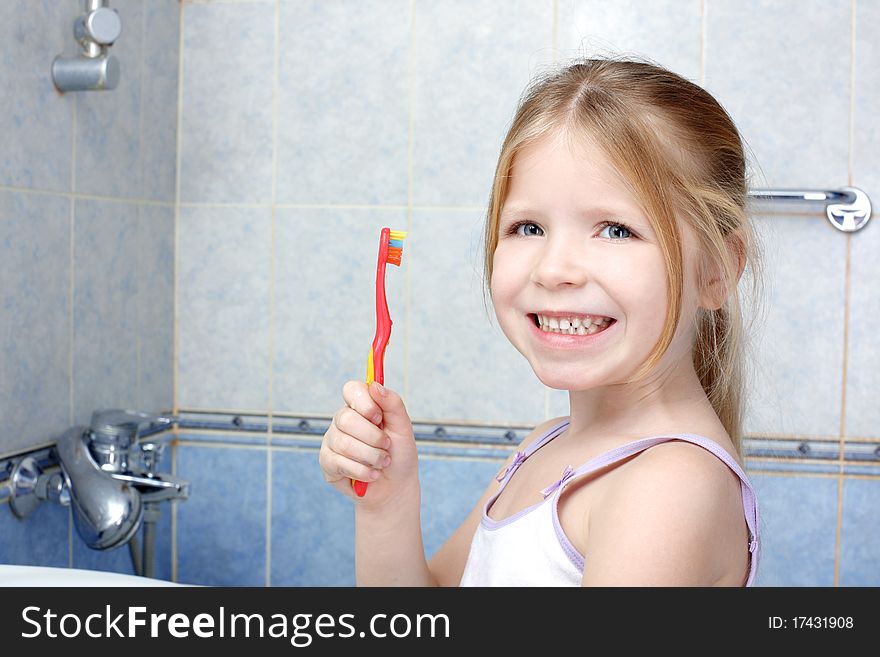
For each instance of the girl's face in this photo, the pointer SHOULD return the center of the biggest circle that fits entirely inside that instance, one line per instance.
(573, 242)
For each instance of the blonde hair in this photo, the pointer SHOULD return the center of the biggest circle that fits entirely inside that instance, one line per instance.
(681, 155)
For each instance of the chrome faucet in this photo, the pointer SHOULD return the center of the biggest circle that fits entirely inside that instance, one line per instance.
(108, 477)
(107, 474)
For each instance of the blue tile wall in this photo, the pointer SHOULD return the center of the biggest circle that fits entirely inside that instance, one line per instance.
(668, 31)
(760, 56)
(155, 308)
(450, 490)
(35, 303)
(863, 355)
(337, 64)
(226, 138)
(777, 404)
(41, 539)
(159, 100)
(108, 147)
(797, 528)
(860, 533)
(312, 524)
(471, 62)
(105, 300)
(223, 313)
(221, 528)
(35, 121)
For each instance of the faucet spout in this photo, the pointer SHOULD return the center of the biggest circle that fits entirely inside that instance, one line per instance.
(107, 511)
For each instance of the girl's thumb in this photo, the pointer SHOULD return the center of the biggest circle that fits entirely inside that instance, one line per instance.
(379, 390)
(394, 415)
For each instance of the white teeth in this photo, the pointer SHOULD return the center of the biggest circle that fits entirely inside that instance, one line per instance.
(573, 325)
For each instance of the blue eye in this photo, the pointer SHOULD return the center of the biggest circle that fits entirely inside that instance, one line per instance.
(615, 224)
(515, 228)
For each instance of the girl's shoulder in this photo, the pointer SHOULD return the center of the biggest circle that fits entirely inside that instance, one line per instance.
(688, 501)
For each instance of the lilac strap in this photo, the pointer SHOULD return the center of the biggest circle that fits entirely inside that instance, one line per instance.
(539, 442)
(567, 474)
(517, 459)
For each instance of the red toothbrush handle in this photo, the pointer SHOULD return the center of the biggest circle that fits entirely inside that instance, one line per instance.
(383, 317)
(383, 330)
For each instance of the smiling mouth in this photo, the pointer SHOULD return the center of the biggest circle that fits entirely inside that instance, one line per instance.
(580, 330)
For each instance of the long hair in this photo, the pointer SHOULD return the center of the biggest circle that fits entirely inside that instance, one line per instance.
(682, 155)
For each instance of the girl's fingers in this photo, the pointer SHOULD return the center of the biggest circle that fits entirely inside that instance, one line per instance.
(342, 467)
(357, 397)
(353, 449)
(349, 421)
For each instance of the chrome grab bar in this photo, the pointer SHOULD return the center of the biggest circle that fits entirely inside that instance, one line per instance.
(847, 209)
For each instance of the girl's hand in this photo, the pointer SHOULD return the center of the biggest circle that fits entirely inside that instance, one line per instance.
(369, 429)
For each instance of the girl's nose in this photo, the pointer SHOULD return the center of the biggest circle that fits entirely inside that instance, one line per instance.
(560, 265)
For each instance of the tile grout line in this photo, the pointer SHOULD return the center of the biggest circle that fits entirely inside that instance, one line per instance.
(72, 270)
(272, 262)
(173, 510)
(410, 179)
(141, 102)
(84, 196)
(71, 298)
(175, 347)
(703, 43)
(139, 222)
(846, 299)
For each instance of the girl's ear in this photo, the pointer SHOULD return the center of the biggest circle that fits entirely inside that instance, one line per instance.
(714, 291)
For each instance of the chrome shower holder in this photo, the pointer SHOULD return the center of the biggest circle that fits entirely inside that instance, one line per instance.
(94, 68)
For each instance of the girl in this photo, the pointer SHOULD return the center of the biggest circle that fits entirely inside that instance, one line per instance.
(616, 235)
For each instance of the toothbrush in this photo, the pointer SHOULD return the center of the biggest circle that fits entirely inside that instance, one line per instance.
(390, 250)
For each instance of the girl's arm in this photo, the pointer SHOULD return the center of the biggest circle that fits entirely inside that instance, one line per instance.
(388, 544)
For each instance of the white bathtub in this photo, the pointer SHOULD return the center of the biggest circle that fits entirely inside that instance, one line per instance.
(45, 576)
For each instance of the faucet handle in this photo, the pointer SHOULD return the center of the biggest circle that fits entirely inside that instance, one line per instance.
(114, 431)
(118, 422)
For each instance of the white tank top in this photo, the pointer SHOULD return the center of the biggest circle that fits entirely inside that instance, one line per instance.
(530, 548)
